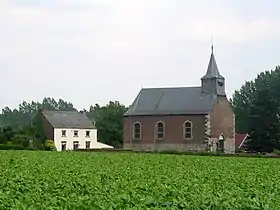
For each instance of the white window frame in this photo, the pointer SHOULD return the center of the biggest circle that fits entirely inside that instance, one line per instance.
(89, 144)
(63, 135)
(140, 128)
(184, 130)
(157, 131)
(77, 133)
(76, 143)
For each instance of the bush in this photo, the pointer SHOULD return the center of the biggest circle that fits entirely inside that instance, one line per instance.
(11, 147)
(49, 145)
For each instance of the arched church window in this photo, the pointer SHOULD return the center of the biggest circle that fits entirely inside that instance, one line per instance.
(136, 130)
(188, 130)
(160, 130)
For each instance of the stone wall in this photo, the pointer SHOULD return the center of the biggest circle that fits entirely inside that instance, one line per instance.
(162, 147)
(229, 145)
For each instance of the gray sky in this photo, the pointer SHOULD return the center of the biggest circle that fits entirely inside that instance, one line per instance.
(93, 51)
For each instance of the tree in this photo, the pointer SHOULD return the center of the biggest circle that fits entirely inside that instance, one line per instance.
(6, 134)
(27, 126)
(21, 139)
(257, 109)
(241, 102)
(3, 139)
(18, 118)
(108, 121)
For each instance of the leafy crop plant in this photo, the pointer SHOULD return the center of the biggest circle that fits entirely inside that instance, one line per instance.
(76, 180)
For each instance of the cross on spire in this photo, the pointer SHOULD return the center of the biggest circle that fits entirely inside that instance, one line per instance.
(212, 45)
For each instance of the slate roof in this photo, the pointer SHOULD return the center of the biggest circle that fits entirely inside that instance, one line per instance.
(68, 119)
(212, 70)
(180, 100)
(171, 101)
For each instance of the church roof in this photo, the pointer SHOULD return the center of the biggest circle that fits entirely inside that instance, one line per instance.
(212, 70)
(177, 100)
(161, 101)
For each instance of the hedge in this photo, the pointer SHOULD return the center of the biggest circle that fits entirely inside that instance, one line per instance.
(11, 147)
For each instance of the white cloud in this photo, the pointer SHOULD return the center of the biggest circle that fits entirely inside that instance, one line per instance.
(112, 40)
(122, 24)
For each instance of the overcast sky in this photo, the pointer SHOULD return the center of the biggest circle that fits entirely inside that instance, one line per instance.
(93, 51)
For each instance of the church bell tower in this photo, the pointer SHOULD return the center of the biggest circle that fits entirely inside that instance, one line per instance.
(213, 83)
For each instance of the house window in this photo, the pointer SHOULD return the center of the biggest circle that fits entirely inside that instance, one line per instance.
(160, 130)
(75, 145)
(87, 144)
(87, 133)
(188, 130)
(136, 130)
(63, 133)
(76, 133)
(63, 145)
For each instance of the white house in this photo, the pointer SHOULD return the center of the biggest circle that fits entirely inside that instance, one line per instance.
(70, 130)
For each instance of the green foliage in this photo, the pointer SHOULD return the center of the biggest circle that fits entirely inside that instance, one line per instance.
(257, 109)
(49, 145)
(26, 123)
(241, 102)
(11, 147)
(3, 138)
(6, 133)
(109, 123)
(17, 118)
(74, 180)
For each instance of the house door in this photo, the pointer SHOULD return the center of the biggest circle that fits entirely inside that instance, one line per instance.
(221, 144)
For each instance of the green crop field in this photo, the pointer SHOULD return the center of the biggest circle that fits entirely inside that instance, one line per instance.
(73, 180)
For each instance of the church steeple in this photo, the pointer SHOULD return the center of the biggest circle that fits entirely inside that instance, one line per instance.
(212, 70)
(213, 82)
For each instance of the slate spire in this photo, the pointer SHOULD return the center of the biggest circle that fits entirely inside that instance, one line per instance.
(213, 83)
(212, 70)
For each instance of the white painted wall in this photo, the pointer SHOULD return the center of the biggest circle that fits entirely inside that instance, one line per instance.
(69, 138)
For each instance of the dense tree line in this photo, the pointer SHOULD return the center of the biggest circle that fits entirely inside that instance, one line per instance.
(20, 125)
(257, 108)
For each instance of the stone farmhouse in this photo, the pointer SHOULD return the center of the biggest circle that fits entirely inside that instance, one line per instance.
(70, 130)
(182, 118)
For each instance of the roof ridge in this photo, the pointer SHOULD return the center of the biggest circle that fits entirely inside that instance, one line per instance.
(60, 111)
(157, 88)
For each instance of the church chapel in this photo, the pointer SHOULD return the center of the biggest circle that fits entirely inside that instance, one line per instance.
(182, 118)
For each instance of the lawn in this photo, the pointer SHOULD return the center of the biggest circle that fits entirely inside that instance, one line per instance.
(74, 180)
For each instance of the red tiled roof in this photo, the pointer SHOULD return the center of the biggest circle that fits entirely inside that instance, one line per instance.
(239, 137)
